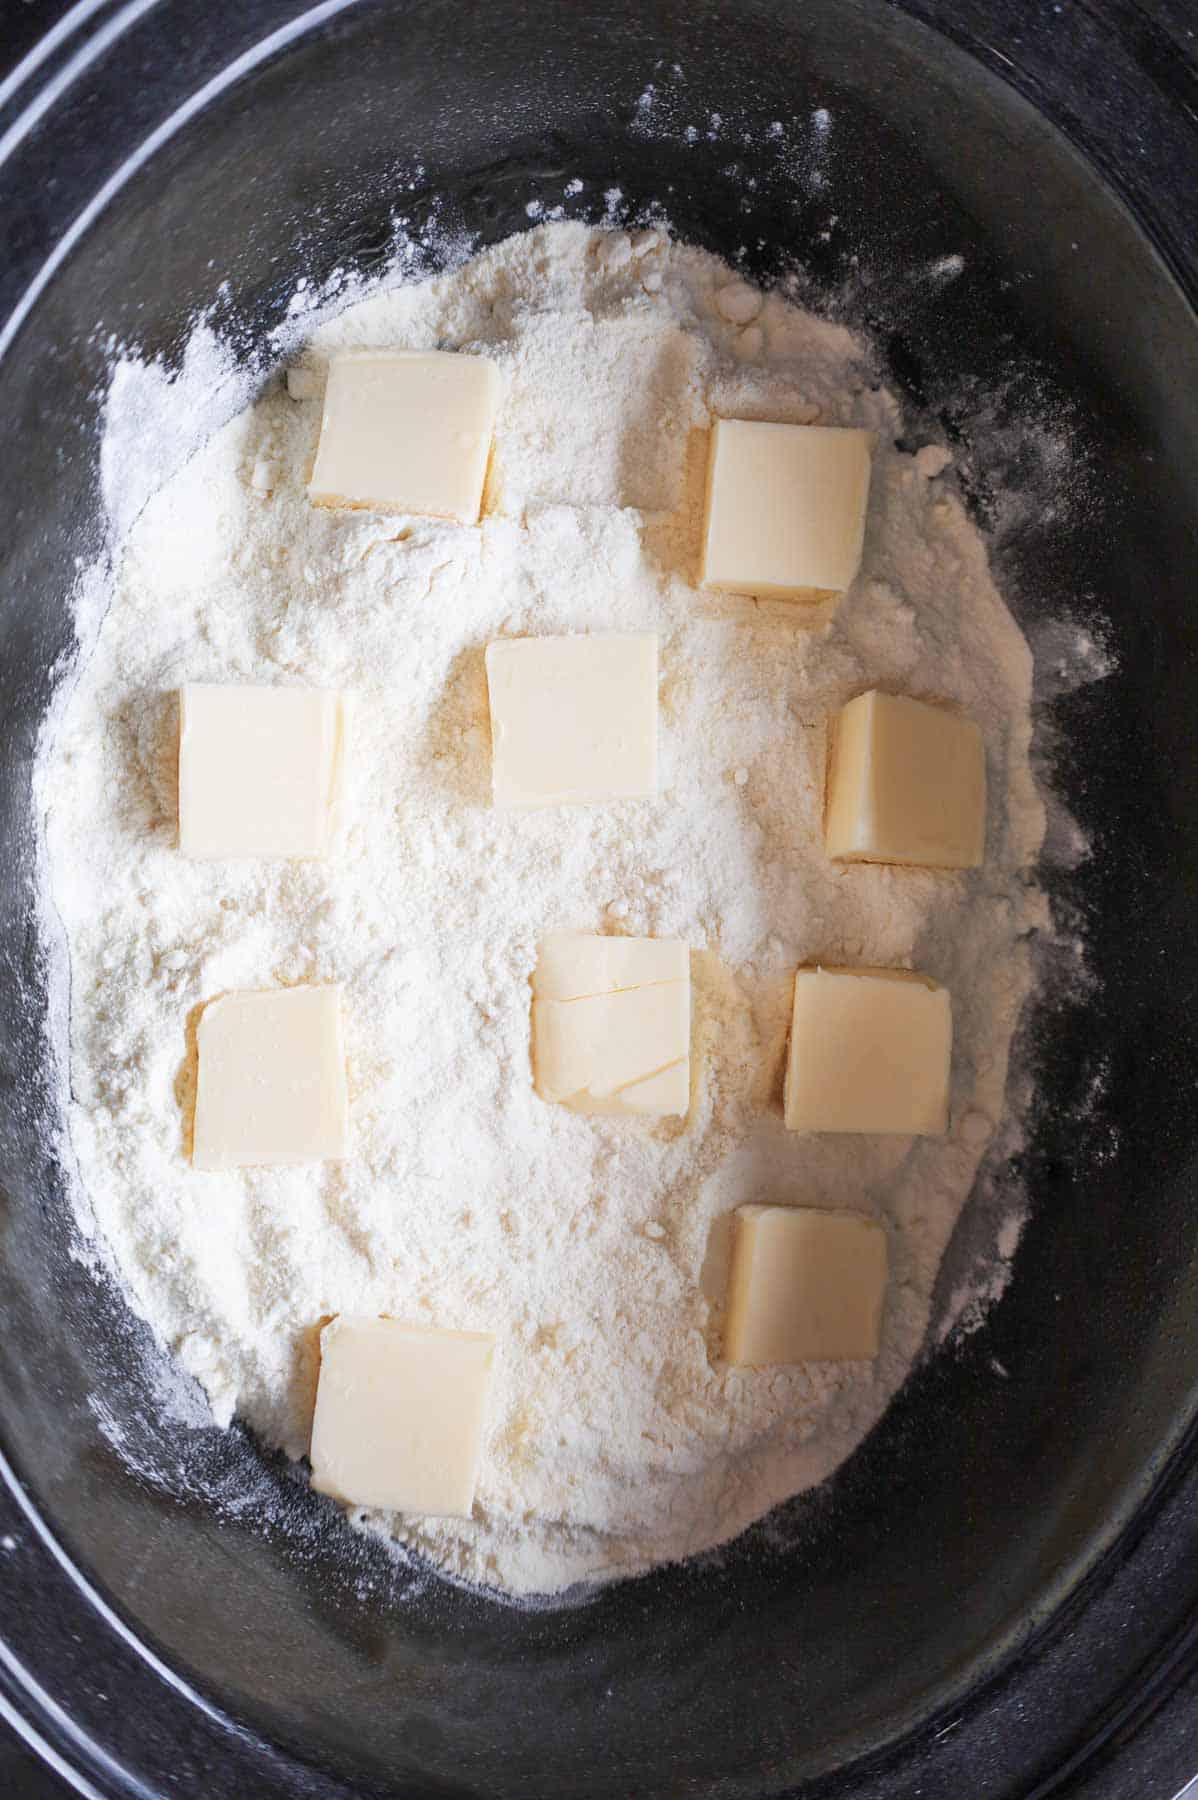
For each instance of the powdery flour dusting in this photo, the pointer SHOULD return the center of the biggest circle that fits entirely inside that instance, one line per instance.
(597, 1250)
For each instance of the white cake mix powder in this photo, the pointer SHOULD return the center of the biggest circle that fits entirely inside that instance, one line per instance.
(596, 1250)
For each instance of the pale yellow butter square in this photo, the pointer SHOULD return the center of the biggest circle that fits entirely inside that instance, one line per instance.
(400, 1414)
(870, 1051)
(407, 431)
(260, 771)
(270, 1080)
(573, 719)
(611, 1024)
(906, 784)
(805, 1286)
(786, 505)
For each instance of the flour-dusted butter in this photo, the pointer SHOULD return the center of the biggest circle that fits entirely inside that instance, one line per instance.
(400, 1411)
(805, 1286)
(573, 718)
(906, 784)
(870, 1051)
(259, 770)
(785, 508)
(406, 431)
(270, 1082)
(611, 1024)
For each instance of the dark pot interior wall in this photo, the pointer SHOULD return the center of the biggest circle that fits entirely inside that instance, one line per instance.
(864, 1610)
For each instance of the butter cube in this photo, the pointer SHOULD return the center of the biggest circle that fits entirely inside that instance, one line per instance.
(406, 431)
(573, 719)
(271, 1081)
(785, 509)
(259, 770)
(611, 1024)
(805, 1286)
(870, 1051)
(906, 784)
(399, 1415)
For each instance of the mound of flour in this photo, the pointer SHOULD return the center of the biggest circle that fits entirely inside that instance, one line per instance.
(596, 1250)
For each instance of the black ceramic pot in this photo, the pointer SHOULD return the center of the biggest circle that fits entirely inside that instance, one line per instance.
(1001, 1586)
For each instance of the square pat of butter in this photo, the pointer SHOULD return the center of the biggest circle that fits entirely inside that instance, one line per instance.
(406, 431)
(870, 1051)
(906, 784)
(259, 770)
(805, 1286)
(573, 719)
(270, 1085)
(785, 508)
(611, 1024)
(399, 1417)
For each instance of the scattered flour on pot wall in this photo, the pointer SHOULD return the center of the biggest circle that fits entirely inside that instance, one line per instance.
(597, 1250)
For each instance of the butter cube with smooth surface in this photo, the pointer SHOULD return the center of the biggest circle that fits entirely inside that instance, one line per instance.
(259, 770)
(406, 431)
(870, 1051)
(573, 719)
(400, 1411)
(906, 784)
(785, 509)
(805, 1286)
(611, 1024)
(270, 1082)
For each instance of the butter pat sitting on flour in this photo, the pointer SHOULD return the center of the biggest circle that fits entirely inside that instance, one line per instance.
(870, 1051)
(906, 784)
(573, 719)
(406, 431)
(786, 505)
(259, 770)
(806, 1286)
(399, 1417)
(270, 1082)
(611, 1024)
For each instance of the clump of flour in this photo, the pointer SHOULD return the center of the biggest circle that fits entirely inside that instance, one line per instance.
(596, 1249)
